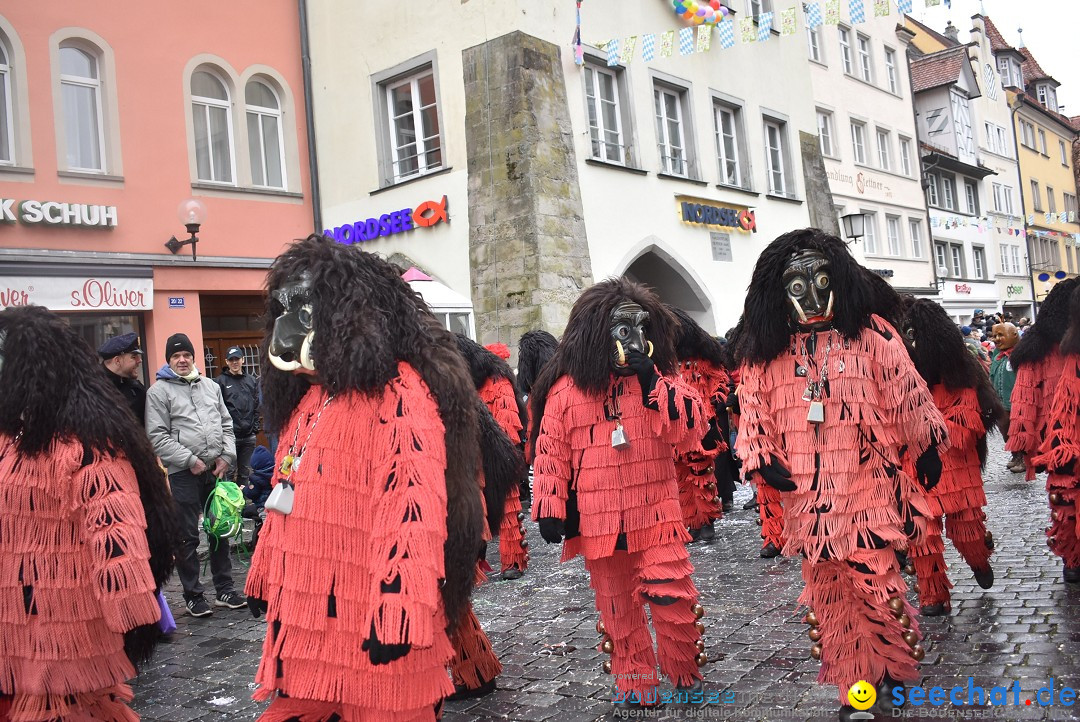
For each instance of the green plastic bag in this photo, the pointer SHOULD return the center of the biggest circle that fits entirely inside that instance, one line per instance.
(222, 515)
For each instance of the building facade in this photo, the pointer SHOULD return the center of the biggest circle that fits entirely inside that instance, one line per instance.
(675, 170)
(866, 127)
(107, 130)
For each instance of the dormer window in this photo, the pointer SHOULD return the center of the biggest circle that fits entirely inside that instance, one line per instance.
(1011, 74)
(1047, 96)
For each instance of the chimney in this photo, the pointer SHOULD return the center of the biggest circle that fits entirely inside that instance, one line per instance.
(952, 33)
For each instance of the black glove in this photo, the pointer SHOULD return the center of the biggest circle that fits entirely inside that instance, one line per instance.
(928, 468)
(733, 403)
(552, 530)
(1066, 469)
(256, 606)
(777, 476)
(643, 368)
(380, 653)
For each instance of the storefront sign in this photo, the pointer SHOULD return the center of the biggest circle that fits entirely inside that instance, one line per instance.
(424, 215)
(883, 272)
(78, 294)
(52, 213)
(721, 246)
(176, 302)
(963, 288)
(1011, 291)
(862, 183)
(711, 214)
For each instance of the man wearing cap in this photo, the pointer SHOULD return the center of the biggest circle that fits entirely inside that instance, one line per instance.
(974, 346)
(240, 391)
(121, 357)
(192, 432)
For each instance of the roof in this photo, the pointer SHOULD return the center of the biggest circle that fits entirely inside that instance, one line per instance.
(1075, 122)
(997, 42)
(1032, 69)
(936, 69)
(943, 39)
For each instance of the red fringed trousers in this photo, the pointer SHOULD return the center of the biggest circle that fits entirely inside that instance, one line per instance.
(1063, 537)
(512, 552)
(695, 473)
(291, 709)
(624, 583)
(967, 531)
(474, 663)
(771, 514)
(861, 636)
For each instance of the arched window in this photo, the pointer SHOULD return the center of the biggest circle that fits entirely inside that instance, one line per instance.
(80, 87)
(265, 137)
(212, 121)
(7, 120)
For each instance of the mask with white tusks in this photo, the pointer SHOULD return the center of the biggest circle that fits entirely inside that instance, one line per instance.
(808, 286)
(628, 321)
(291, 342)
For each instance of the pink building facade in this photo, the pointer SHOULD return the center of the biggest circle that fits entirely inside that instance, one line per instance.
(109, 121)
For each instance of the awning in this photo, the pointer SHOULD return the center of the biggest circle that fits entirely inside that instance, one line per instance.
(437, 295)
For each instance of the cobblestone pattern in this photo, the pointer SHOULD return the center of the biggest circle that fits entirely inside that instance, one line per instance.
(1026, 628)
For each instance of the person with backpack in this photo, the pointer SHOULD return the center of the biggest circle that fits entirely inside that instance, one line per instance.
(192, 433)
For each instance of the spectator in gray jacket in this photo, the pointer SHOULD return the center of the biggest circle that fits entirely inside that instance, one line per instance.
(192, 433)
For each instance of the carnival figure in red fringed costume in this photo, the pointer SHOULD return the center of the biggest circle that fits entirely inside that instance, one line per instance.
(1060, 451)
(497, 387)
(701, 366)
(831, 406)
(374, 523)
(86, 529)
(610, 415)
(967, 401)
(1038, 362)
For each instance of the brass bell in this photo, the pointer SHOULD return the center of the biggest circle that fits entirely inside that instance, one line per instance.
(607, 647)
(606, 666)
(700, 645)
(521, 516)
(815, 651)
(917, 652)
(897, 605)
(710, 487)
(909, 569)
(701, 659)
(911, 638)
(524, 543)
(1051, 541)
(699, 626)
(600, 628)
(758, 520)
(715, 500)
(905, 621)
(1055, 498)
(989, 537)
(815, 634)
(811, 619)
(698, 610)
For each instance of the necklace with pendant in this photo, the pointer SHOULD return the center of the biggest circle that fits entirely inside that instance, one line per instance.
(281, 498)
(817, 390)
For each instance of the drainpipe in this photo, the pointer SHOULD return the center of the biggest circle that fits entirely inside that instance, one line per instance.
(309, 114)
(1023, 206)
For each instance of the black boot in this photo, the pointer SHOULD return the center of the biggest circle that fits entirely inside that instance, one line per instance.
(1072, 575)
(769, 551)
(707, 532)
(985, 577)
(752, 504)
(933, 610)
(462, 692)
(695, 534)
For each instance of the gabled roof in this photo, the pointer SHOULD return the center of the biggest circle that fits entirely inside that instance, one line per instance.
(1032, 69)
(943, 39)
(1075, 120)
(997, 42)
(936, 69)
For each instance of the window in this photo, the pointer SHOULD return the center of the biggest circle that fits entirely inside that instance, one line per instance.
(265, 138)
(415, 136)
(1003, 252)
(932, 189)
(1070, 205)
(892, 234)
(941, 253)
(915, 229)
(961, 109)
(1003, 199)
(865, 67)
(883, 150)
(1016, 259)
(948, 194)
(813, 43)
(756, 7)
(870, 229)
(212, 121)
(890, 71)
(956, 254)
(729, 145)
(667, 104)
(1011, 74)
(1036, 197)
(905, 155)
(605, 114)
(971, 195)
(1064, 153)
(80, 88)
(858, 141)
(1004, 147)
(825, 133)
(1047, 96)
(1051, 202)
(978, 260)
(845, 49)
(1027, 134)
(1042, 141)
(776, 158)
(7, 124)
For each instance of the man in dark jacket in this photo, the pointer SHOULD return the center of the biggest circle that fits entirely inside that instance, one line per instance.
(241, 394)
(122, 357)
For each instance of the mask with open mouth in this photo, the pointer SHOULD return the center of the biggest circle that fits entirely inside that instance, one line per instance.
(628, 321)
(808, 285)
(291, 344)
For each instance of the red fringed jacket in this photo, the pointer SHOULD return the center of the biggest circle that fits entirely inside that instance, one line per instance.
(498, 395)
(601, 491)
(1031, 398)
(369, 510)
(74, 575)
(847, 469)
(961, 485)
(1062, 442)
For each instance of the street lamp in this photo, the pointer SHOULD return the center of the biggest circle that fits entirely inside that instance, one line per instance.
(854, 225)
(192, 214)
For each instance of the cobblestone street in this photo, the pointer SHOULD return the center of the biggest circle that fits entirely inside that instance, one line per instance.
(1026, 628)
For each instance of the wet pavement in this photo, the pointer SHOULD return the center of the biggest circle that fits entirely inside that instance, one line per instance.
(1026, 629)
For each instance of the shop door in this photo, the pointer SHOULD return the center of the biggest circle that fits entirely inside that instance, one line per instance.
(232, 321)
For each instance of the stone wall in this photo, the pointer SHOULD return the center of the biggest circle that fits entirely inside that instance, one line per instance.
(819, 198)
(527, 248)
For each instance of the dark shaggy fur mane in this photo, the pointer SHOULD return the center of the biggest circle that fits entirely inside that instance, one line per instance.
(584, 354)
(1070, 342)
(535, 348)
(484, 364)
(1039, 341)
(53, 388)
(693, 342)
(941, 357)
(503, 464)
(366, 320)
(767, 313)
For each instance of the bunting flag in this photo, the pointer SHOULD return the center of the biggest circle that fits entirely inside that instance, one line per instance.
(881, 8)
(832, 12)
(704, 38)
(686, 41)
(903, 6)
(764, 26)
(857, 9)
(813, 15)
(613, 52)
(932, 3)
(628, 50)
(747, 26)
(725, 30)
(667, 41)
(787, 22)
(648, 47)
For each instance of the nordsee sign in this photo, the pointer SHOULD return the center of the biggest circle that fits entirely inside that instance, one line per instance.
(53, 213)
(709, 214)
(389, 224)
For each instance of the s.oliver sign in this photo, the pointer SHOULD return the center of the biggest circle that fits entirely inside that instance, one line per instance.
(78, 293)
